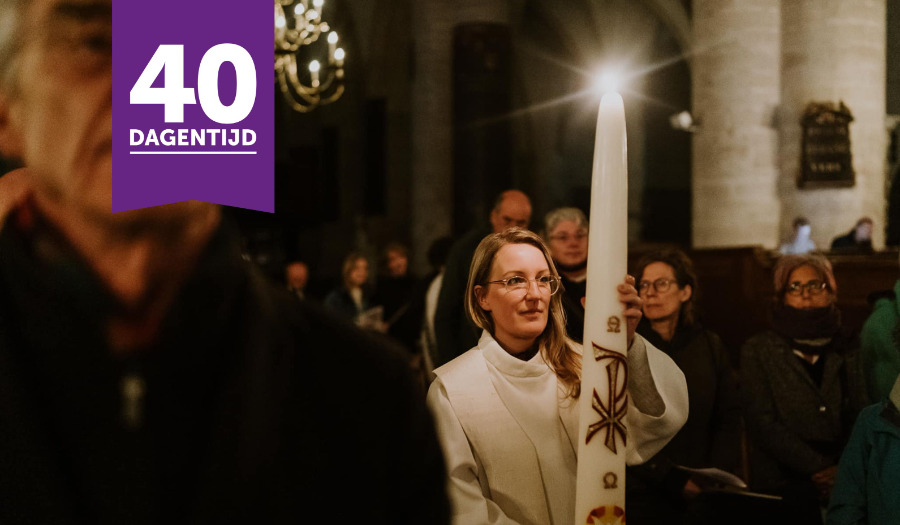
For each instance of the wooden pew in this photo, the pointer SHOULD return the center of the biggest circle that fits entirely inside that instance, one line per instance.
(736, 290)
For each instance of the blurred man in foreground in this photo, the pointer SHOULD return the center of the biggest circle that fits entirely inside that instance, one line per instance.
(147, 374)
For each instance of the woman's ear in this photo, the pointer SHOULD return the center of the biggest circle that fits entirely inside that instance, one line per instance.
(10, 139)
(686, 293)
(481, 295)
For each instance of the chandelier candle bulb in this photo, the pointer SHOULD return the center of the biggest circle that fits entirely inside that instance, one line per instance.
(314, 72)
(600, 486)
(332, 44)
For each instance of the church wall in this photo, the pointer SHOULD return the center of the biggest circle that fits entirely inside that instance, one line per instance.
(834, 50)
(736, 78)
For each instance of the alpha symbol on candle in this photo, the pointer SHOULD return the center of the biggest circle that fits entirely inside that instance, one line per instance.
(612, 406)
(609, 480)
(613, 324)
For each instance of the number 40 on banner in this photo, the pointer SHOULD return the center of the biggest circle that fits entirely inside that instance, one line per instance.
(173, 95)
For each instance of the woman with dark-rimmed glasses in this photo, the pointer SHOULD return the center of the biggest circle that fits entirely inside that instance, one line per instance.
(659, 491)
(803, 387)
(506, 410)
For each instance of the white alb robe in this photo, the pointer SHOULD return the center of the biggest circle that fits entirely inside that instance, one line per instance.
(509, 434)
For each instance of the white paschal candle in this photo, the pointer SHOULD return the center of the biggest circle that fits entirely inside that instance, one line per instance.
(600, 491)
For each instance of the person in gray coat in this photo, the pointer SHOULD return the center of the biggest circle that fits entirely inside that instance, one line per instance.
(802, 387)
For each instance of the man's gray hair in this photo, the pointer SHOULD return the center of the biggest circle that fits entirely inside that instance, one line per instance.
(553, 218)
(11, 12)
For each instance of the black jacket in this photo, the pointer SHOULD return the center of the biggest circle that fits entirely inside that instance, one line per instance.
(454, 331)
(711, 436)
(571, 300)
(257, 408)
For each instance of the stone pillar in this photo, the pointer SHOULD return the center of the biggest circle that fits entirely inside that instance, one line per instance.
(432, 119)
(735, 76)
(835, 50)
(432, 130)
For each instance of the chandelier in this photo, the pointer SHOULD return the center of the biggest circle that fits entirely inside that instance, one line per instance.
(297, 25)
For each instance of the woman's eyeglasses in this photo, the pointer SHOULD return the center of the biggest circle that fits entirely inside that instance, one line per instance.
(660, 285)
(564, 237)
(813, 287)
(548, 283)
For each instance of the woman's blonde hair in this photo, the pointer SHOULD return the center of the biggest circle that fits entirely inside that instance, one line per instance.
(552, 343)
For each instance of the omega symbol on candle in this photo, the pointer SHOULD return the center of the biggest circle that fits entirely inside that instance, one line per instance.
(613, 324)
(609, 480)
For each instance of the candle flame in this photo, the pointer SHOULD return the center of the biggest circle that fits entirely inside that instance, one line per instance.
(607, 82)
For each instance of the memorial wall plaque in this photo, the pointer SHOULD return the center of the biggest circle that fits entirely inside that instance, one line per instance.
(826, 160)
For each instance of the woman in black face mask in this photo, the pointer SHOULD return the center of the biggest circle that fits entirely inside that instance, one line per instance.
(802, 389)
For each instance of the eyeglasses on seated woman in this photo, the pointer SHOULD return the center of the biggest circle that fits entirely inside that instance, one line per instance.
(803, 386)
(658, 491)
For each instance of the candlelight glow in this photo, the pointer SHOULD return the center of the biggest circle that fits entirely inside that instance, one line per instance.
(607, 82)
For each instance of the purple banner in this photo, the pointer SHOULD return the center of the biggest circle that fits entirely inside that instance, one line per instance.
(193, 104)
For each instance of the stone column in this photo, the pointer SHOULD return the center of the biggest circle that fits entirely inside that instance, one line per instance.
(432, 135)
(735, 76)
(432, 120)
(835, 50)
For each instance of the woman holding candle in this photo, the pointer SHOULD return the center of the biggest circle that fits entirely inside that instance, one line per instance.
(803, 387)
(506, 410)
(658, 491)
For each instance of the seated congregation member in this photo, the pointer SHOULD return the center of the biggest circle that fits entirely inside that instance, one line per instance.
(353, 297)
(453, 330)
(658, 491)
(507, 410)
(296, 277)
(857, 240)
(566, 231)
(879, 342)
(803, 386)
(397, 292)
(867, 486)
(801, 242)
(149, 374)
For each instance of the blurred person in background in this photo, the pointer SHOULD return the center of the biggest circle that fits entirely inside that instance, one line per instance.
(437, 257)
(353, 297)
(801, 242)
(296, 276)
(658, 491)
(857, 240)
(868, 475)
(566, 231)
(396, 292)
(802, 385)
(880, 342)
(453, 329)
